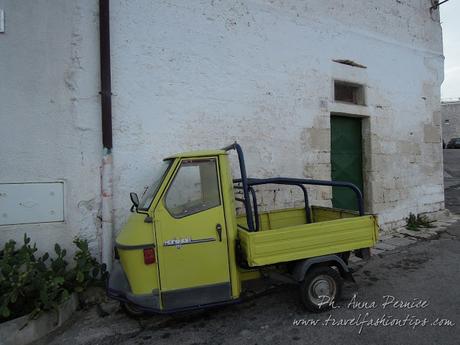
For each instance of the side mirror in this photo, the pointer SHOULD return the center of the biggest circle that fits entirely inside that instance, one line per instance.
(134, 199)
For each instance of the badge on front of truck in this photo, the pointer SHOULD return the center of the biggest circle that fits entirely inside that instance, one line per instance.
(179, 242)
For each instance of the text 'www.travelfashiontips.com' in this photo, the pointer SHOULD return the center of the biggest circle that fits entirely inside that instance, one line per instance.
(375, 313)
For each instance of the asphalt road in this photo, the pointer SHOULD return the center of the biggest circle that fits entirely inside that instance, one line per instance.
(452, 179)
(422, 281)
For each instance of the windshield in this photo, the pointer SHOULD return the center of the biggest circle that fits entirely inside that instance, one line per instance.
(149, 193)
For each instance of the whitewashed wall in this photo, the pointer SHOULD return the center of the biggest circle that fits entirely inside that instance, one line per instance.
(49, 112)
(201, 74)
(191, 75)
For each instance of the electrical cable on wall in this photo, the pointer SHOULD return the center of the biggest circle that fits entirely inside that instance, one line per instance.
(435, 4)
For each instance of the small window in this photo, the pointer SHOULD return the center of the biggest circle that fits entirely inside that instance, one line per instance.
(195, 188)
(348, 92)
(446, 122)
(151, 191)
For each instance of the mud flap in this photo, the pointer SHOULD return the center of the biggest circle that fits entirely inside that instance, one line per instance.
(363, 253)
(348, 276)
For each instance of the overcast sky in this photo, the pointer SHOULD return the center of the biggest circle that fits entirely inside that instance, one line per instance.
(450, 20)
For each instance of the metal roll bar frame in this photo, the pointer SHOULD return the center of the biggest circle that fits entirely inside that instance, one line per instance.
(248, 183)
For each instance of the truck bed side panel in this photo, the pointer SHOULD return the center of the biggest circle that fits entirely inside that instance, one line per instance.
(322, 214)
(308, 240)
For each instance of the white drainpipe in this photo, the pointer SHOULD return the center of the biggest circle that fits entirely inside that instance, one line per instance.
(107, 209)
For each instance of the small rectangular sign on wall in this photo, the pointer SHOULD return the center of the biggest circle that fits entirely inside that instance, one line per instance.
(26, 203)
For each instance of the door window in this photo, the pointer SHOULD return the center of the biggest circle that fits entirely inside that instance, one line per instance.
(195, 188)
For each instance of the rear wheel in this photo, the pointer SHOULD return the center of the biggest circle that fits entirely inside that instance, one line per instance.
(132, 310)
(322, 286)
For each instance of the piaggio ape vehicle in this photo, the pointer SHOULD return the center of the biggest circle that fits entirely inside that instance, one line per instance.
(186, 248)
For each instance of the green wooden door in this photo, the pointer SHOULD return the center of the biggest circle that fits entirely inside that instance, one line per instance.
(346, 159)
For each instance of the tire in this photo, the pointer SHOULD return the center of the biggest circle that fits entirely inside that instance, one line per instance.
(320, 281)
(132, 310)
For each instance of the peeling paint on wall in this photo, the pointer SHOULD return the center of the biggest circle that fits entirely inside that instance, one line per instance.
(192, 76)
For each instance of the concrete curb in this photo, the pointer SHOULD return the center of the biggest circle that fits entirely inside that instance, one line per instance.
(22, 331)
(401, 237)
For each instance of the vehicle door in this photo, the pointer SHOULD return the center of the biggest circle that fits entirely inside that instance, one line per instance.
(191, 237)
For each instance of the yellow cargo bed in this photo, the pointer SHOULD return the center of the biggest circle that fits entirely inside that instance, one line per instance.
(285, 236)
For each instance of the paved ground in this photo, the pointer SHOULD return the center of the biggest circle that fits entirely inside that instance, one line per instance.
(424, 274)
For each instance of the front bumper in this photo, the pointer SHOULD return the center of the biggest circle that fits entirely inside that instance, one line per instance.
(118, 288)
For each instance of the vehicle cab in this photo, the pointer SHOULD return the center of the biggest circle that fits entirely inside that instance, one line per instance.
(174, 252)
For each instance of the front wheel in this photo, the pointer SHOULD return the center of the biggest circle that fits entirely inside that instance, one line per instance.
(132, 310)
(321, 287)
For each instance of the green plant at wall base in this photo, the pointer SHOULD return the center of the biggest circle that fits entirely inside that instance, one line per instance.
(416, 222)
(31, 284)
(411, 222)
(87, 270)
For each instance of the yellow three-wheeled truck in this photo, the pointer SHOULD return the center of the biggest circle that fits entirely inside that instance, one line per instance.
(186, 248)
